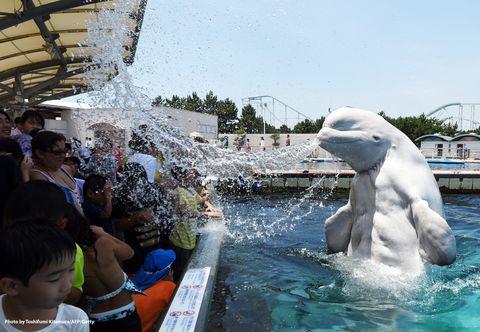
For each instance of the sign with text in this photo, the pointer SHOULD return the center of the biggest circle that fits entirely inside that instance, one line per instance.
(183, 312)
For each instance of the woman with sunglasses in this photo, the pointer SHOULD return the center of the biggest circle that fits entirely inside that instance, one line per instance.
(48, 149)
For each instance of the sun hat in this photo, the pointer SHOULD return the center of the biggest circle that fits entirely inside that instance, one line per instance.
(156, 266)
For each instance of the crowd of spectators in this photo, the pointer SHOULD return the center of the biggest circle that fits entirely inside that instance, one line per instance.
(92, 238)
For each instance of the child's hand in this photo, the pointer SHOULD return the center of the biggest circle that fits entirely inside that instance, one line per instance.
(98, 231)
(26, 165)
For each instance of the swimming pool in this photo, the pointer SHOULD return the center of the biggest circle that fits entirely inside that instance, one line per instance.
(275, 275)
(467, 166)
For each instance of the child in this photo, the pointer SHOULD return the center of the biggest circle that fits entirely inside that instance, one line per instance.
(97, 203)
(36, 274)
(41, 200)
(125, 308)
(31, 122)
(107, 289)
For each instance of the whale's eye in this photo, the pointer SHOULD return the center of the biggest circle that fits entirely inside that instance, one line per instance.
(376, 138)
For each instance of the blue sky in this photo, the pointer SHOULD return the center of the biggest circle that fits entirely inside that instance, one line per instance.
(403, 57)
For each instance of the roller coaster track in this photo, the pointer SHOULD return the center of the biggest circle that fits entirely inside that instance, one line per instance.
(269, 105)
(465, 114)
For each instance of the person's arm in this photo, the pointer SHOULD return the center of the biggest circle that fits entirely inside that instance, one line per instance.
(25, 168)
(133, 219)
(107, 192)
(108, 245)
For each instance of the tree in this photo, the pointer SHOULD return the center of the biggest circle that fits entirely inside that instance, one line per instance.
(319, 124)
(269, 129)
(227, 116)
(249, 120)
(210, 103)
(284, 129)
(416, 126)
(275, 137)
(176, 102)
(305, 127)
(159, 101)
(194, 103)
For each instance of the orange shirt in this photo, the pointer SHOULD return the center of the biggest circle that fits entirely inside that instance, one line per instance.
(152, 306)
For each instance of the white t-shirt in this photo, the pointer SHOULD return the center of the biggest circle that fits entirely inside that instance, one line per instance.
(262, 143)
(68, 319)
(148, 162)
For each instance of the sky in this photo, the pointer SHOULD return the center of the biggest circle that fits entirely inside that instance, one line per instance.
(400, 57)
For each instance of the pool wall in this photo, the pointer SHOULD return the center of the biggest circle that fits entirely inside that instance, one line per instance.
(464, 182)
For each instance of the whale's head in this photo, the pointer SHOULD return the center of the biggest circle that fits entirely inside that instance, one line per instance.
(359, 137)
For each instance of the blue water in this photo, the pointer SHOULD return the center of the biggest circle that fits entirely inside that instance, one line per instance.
(275, 275)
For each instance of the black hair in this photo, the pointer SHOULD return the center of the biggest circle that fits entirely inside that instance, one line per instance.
(134, 191)
(131, 173)
(6, 115)
(73, 159)
(35, 131)
(45, 140)
(32, 115)
(79, 228)
(93, 182)
(17, 120)
(9, 145)
(139, 144)
(68, 146)
(35, 200)
(28, 246)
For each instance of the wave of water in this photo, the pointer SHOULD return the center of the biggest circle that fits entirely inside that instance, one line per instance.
(125, 105)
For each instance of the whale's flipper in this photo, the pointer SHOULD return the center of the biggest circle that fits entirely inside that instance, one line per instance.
(338, 229)
(435, 236)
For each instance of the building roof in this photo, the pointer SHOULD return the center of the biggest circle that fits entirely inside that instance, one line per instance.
(435, 136)
(463, 136)
(41, 51)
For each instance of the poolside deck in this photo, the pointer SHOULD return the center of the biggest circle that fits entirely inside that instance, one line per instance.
(449, 181)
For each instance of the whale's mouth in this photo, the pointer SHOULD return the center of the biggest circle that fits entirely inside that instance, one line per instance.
(339, 141)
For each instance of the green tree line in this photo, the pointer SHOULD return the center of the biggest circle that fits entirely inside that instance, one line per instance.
(250, 122)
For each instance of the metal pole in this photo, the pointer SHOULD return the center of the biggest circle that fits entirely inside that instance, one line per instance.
(461, 117)
(263, 118)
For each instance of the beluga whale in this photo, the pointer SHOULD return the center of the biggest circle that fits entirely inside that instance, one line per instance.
(394, 214)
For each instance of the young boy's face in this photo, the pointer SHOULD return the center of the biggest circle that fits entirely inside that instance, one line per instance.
(31, 124)
(49, 286)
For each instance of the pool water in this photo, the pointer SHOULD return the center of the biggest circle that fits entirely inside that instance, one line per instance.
(467, 166)
(275, 275)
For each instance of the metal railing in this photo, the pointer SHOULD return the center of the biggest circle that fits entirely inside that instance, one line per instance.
(455, 153)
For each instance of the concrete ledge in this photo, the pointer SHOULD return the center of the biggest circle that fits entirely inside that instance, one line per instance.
(206, 254)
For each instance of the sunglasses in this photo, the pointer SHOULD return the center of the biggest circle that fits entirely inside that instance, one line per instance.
(58, 152)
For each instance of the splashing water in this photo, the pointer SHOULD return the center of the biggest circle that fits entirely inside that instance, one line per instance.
(127, 106)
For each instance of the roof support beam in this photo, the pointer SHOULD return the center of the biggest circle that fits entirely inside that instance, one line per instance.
(61, 49)
(39, 65)
(7, 88)
(36, 34)
(44, 10)
(51, 45)
(56, 96)
(48, 84)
